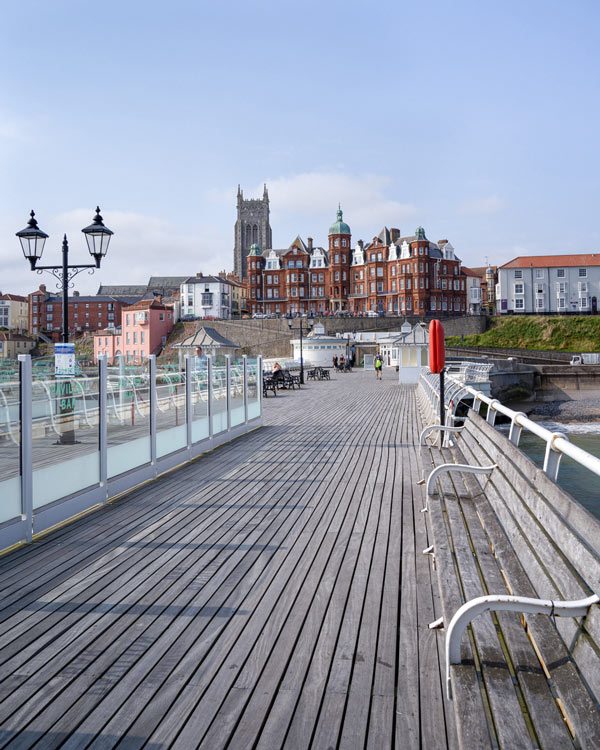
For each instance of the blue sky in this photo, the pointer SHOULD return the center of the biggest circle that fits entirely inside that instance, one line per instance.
(478, 120)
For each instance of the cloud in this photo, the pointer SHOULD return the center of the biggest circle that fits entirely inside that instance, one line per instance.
(306, 203)
(484, 206)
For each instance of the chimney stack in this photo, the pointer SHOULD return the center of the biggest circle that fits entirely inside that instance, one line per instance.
(310, 243)
(199, 274)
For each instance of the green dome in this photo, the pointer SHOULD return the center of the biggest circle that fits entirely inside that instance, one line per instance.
(340, 227)
(420, 233)
(255, 250)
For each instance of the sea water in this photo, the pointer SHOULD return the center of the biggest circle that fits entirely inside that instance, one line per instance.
(578, 481)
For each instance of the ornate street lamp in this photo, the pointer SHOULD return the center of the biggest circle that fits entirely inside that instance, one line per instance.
(32, 241)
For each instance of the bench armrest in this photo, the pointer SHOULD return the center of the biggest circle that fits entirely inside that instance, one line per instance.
(506, 603)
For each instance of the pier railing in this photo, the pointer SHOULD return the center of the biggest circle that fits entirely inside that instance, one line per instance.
(557, 443)
(67, 444)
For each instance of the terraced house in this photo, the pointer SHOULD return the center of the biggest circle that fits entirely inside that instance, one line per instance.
(545, 284)
(392, 274)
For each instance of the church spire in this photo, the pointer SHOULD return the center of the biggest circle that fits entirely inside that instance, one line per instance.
(265, 193)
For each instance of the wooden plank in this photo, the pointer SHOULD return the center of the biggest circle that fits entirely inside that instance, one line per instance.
(222, 609)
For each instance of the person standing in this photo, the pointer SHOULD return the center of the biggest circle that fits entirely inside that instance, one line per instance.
(378, 366)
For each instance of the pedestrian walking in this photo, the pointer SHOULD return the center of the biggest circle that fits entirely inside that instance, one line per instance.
(335, 363)
(378, 366)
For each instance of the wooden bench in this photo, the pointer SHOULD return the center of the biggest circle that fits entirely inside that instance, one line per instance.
(269, 384)
(290, 380)
(524, 680)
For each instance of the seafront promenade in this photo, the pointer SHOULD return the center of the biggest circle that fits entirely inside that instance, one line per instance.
(273, 592)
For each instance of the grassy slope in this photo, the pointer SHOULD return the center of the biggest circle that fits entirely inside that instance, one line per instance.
(569, 333)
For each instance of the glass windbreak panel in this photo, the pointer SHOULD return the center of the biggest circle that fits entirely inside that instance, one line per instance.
(219, 396)
(128, 416)
(253, 388)
(171, 431)
(199, 369)
(10, 438)
(236, 392)
(65, 434)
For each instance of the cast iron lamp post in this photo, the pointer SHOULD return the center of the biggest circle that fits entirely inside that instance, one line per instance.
(32, 243)
(301, 329)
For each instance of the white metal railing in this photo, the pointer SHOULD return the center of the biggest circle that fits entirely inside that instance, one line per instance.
(557, 443)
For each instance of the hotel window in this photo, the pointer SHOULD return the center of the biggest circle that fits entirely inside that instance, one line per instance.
(518, 274)
(539, 302)
(336, 243)
(142, 337)
(298, 264)
(561, 303)
(518, 288)
(321, 278)
(422, 282)
(583, 302)
(539, 273)
(276, 293)
(294, 292)
(336, 276)
(582, 273)
(380, 287)
(560, 273)
(539, 288)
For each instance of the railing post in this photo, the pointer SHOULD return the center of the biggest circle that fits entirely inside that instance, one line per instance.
(153, 407)
(188, 400)
(103, 422)
(491, 413)
(26, 417)
(209, 365)
(245, 370)
(228, 389)
(552, 456)
(259, 382)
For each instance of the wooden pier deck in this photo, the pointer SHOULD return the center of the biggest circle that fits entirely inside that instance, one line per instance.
(272, 594)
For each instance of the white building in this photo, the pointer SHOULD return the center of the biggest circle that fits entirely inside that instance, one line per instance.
(473, 283)
(206, 297)
(319, 349)
(549, 284)
(14, 312)
(408, 351)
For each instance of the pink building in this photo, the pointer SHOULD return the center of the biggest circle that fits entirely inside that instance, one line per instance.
(144, 330)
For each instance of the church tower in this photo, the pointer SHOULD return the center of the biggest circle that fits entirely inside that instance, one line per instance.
(251, 228)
